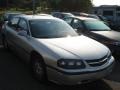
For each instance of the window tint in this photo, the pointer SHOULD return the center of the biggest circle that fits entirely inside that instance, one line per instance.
(68, 20)
(77, 24)
(23, 25)
(50, 29)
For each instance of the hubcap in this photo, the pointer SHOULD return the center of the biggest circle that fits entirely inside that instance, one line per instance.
(38, 69)
(5, 43)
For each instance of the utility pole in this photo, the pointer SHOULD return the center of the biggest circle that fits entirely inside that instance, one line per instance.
(7, 4)
(33, 6)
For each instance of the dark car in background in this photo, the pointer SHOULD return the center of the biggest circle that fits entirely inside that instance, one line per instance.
(99, 17)
(85, 15)
(104, 19)
(97, 30)
(61, 15)
(8, 15)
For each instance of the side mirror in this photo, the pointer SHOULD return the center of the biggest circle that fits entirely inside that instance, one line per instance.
(22, 33)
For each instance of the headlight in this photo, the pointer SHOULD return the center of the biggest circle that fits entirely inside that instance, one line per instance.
(111, 43)
(116, 43)
(71, 64)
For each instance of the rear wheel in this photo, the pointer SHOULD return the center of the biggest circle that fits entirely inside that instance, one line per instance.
(4, 42)
(39, 68)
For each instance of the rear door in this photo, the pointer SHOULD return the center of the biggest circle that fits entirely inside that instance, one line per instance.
(10, 32)
(23, 42)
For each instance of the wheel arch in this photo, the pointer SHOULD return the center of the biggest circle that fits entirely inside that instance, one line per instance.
(35, 53)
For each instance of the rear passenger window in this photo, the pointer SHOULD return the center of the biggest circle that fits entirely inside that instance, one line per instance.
(23, 25)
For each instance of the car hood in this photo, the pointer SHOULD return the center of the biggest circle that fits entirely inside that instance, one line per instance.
(81, 46)
(113, 35)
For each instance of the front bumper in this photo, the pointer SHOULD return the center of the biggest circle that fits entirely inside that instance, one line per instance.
(66, 78)
(114, 49)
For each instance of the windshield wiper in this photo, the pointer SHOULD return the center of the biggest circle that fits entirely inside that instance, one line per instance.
(100, 30)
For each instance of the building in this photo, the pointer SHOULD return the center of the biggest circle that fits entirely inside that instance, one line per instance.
(111, 12)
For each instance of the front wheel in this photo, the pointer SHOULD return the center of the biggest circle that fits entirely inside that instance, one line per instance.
(39, 69)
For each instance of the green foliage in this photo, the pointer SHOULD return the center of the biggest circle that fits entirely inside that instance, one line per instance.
(71, 5)
(61, 5)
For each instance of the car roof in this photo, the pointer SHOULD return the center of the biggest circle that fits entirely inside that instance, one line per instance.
(43, 14)
(62, 13)
(85, 15)
(34, 17)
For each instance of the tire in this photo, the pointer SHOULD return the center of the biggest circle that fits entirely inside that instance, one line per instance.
(39, 68)
(4, 43)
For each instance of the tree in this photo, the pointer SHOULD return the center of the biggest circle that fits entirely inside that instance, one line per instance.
(3, 3)
(71, 5)
(61, 5)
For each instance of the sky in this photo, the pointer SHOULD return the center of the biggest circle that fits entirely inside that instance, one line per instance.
(106, 2)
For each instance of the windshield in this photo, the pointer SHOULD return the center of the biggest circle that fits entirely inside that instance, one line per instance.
(96, 25)
(51, 29)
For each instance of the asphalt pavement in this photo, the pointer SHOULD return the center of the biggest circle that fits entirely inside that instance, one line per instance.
(15, 75)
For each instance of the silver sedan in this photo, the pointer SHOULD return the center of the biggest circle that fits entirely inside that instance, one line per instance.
(55, 51)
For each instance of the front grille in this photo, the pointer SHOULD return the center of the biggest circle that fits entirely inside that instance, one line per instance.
(98, 62)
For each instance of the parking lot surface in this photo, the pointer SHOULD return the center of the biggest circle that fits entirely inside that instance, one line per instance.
(15, 75)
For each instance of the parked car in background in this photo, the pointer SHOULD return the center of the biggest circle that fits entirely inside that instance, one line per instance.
(8, 15)
(61, 15)
(99, 17)
(85, 15)
(104, 19)
(1, 22)
(43, 14)
(97, 30)
(55, 51)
